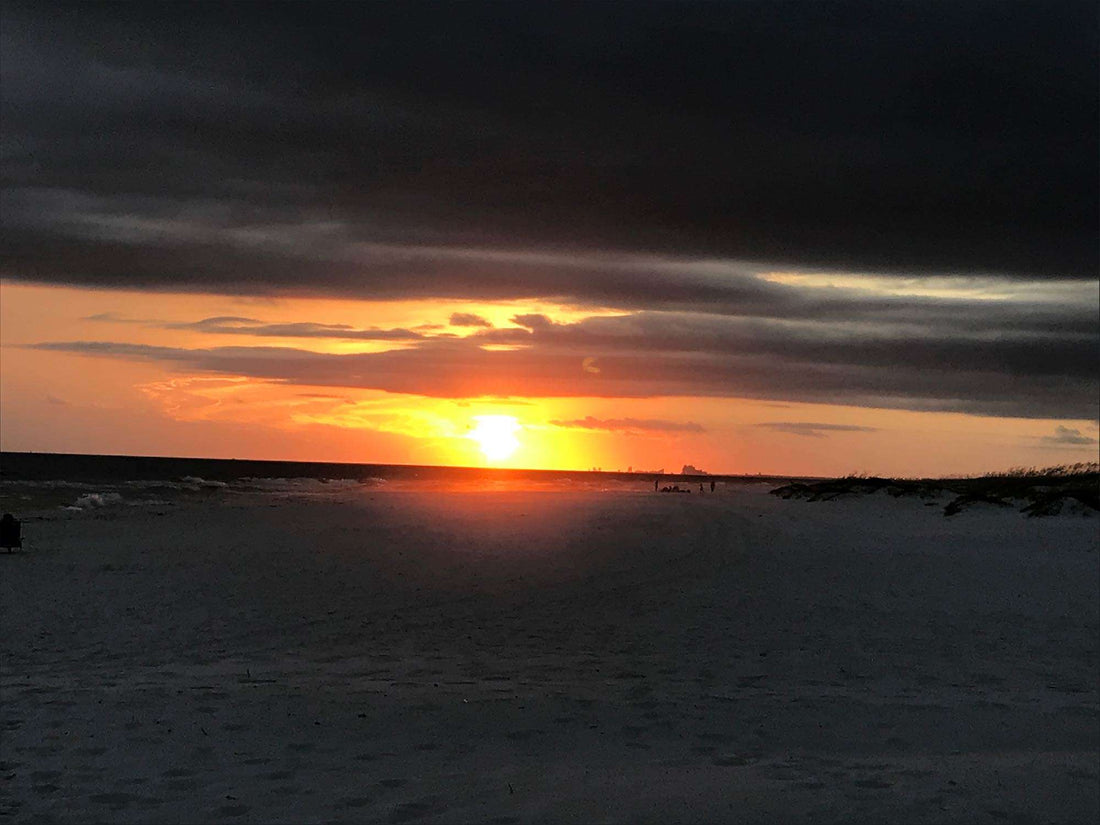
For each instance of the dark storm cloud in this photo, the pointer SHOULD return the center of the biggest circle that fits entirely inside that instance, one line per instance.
(298, 148)
(1044, 350)
(811, 430)
(1047, 341)
(630, 425)
(652, 159)
(1051, 379)
(918, 357)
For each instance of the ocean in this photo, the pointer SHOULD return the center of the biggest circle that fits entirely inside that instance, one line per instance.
(37, 482)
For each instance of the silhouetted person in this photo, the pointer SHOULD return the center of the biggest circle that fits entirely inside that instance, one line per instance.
(10, 532)
(655, 485)
(700, 486)
(712, 486)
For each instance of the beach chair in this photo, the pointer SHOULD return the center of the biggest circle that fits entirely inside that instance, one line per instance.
(10, 532)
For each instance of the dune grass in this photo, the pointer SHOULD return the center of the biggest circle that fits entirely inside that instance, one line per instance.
(1036, 491)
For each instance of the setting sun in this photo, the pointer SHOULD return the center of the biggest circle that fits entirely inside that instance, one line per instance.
(496, 435)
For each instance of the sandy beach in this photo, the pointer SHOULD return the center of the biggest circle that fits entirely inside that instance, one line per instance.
(551, 656)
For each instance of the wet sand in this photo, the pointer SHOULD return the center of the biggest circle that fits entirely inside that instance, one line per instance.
(551, 656)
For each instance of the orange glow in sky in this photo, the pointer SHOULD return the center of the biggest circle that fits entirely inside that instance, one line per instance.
(55, 401)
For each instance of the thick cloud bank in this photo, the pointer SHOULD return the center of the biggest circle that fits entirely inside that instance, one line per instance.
(673, 163)
(361, 149)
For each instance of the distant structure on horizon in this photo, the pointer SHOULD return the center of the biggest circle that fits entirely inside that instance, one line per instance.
(692, 470)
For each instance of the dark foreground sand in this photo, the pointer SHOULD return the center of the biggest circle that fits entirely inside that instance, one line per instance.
(551, 657)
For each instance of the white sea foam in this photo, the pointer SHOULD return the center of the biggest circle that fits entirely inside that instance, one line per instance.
(90, 500)
(196, 482)
(299, 486)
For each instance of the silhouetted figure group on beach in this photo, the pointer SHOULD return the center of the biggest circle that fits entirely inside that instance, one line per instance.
(675, 488)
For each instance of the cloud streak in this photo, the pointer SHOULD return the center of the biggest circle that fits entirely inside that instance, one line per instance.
(811, 430)
(629, 425)
(1068, 437)
(234, 325)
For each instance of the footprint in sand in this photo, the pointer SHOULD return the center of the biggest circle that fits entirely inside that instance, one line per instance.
(407, 811)
(716, 737)
(524, 735)
(181, 784)
(732, 760)
(115, 800)
(356, 801)
(392, 783)
(876, 784)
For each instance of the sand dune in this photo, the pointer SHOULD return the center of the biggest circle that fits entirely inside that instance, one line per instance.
(551, 656)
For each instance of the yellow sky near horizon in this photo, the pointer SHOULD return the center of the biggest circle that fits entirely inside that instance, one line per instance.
(66, 402)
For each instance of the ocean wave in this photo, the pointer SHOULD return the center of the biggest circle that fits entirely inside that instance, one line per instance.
(91, 500)
(299, 485)
(49, 484)
(201, 483)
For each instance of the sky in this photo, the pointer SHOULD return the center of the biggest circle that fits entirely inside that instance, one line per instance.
(802, 238)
